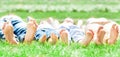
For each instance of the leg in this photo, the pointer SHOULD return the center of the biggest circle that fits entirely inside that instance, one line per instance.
(31, 30)
(88, 37)
(8, 32)
(113, 34)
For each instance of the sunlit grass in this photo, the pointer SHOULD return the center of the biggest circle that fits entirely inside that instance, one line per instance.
(62, 15)
(37, 49)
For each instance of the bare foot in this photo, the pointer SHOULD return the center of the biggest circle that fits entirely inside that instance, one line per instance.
(8, 32)
(31, 30)
(100, 36)
(53, 39)
(64, 37)
(113, 34)
(88, 37)
(43, 38)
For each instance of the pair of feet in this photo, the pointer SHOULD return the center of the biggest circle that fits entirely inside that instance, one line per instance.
(9, 33)
(113, 35)
(52, 40)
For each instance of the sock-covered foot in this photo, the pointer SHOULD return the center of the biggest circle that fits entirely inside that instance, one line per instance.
(8, 32)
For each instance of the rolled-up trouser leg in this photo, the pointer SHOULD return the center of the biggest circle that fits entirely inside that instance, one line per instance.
(39, 34)
(1, 32)
(19, 28)
(67, 28)
(48, 31)
(77, 35)
(2, 37)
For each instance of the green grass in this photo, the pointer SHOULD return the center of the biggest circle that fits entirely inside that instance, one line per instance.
(58, 5)
(62, 15)
(46, 50)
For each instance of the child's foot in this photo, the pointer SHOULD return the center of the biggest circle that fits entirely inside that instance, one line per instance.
(100, 36)
(64, 37)
(53, 39)
(8, 32)
(31, 30)
(88, 37)
(113, 34)
(43, 38)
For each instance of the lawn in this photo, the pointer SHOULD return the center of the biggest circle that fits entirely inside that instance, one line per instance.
(43, 9)
(38, 15)
(37, 49)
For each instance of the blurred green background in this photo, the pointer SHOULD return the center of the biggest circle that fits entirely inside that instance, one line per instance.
(60, 9)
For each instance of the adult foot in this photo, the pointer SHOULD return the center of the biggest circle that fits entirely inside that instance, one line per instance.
(31, 30)
(88, 37)
(100, 36)
(8, 32)
(113, 34)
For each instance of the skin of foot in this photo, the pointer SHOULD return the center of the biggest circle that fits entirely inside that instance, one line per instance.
(100, 36)
(31, 30)
(53, 39)
(8, 32)
(43, 39)
(88, 37)
(113, 34)
(64, 37)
